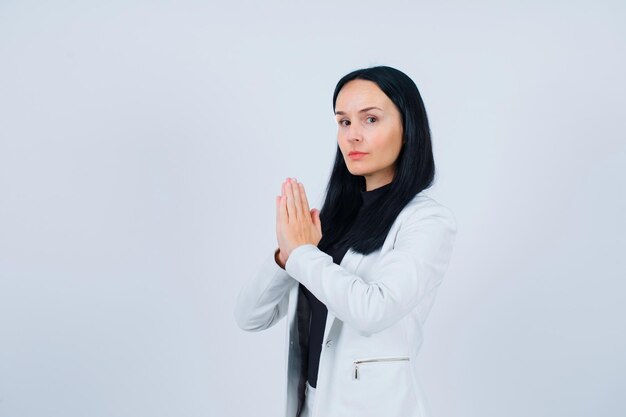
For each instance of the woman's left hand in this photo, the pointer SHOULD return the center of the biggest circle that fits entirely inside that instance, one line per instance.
(296, 225)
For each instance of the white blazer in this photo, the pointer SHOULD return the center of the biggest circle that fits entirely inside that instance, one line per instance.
(377, 305)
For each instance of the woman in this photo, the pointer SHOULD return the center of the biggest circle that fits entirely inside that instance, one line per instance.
(358, 279)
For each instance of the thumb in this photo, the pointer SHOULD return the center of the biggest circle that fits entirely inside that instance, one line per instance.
(315, 216)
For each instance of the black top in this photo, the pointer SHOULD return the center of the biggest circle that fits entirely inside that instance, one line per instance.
(318, 309)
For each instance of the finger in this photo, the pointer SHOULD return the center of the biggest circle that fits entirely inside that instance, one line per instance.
(283, 188)
(291, 206)
(282, 201)
(279, 215)
(318, 219)
(315, 215)
(304, 201)
(283, 215)
(297, 199)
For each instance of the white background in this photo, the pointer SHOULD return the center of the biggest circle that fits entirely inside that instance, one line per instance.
(142, 145)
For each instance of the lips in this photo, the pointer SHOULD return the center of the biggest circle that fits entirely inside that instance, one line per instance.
(355, 156)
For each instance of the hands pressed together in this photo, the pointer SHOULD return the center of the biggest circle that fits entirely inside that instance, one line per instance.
(296, 224)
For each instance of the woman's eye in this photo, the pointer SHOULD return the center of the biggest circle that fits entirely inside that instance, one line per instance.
(341, 122)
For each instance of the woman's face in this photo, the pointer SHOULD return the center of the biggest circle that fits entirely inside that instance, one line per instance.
(368, 121)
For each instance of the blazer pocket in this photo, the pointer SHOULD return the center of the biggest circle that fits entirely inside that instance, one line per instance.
(382, 361)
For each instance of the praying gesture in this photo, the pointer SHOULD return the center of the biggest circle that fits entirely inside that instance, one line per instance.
(296, 224)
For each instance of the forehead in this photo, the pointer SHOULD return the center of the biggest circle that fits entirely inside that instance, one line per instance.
(356, 94)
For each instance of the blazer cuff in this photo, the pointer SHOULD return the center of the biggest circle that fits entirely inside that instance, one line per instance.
(271, 267)
(299, 261)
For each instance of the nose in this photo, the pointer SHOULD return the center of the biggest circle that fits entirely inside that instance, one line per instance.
(354, 133)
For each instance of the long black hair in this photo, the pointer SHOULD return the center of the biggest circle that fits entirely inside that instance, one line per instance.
(415, 170)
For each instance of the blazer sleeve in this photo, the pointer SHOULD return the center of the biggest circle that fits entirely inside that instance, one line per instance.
(402, 276)
(262, 301)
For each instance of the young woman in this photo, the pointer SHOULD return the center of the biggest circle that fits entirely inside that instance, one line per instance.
(358, 279)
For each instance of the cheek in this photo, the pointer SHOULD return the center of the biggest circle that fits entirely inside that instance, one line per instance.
(385, 142)
(341, 142)
(389, 146)
(341, 135)
(394, 139)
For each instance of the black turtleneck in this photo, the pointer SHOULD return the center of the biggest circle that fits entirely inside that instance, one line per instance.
(318, 309)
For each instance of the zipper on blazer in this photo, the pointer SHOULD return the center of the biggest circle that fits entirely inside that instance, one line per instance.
(361, 361)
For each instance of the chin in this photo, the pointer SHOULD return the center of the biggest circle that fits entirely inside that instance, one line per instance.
(356, 171)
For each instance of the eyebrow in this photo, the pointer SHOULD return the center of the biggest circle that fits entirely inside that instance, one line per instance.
(361, 111)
